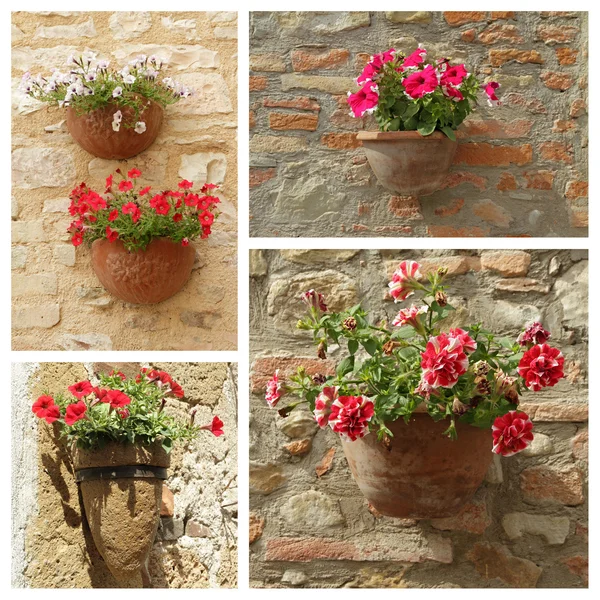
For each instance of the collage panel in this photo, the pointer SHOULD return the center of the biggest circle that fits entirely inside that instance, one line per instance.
(124, 475)
(418, 124)
(418, 418)
(124, 173)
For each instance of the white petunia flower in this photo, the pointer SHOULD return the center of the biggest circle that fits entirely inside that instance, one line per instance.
(118, 91)
(140, 127)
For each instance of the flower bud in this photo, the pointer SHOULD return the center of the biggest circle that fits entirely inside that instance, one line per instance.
(321, 351)
(442, 271)
(481, 368)
(192, 416)
(441, 298)
(349, 324)
(319, 379)
(458, 407)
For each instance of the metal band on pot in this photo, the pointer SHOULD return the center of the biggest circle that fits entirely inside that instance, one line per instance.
(126, 471)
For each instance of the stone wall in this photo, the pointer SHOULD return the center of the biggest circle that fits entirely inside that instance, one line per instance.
(520, 169)
(58, 303)
(527, 525)
(196, 545)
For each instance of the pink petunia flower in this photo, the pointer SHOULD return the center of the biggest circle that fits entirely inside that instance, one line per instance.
(490, 91)
(365, 100)
(453, 93)
(415, 59)
(323, 404)
(453, 76)
(534, 334)
(443, 361)
(350, 416)
(273, 392)
(468, 343)
(420, 83)
(404, 280)
(542, 366)
(512, 433)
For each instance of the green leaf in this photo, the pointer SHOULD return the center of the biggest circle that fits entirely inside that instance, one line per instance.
(426, 128)
(411, 110)
(449, 132)
(352, 346)
(370, 346)
(394, 124)
(345, 366)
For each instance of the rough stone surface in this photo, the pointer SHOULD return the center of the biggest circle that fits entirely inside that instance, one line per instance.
(197, 141)
(320, 185)
(525, 526)
(52, 545)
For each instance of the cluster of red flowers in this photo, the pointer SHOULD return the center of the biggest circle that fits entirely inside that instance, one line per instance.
(163, 380)
(122, 199)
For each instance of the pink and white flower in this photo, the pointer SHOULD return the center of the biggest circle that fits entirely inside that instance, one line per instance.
(323, 404)
(273, 392)
(511, 433)
(443, 361)
(534, 334)
(453, 93)
(421, 83)
(404, 280)
(365, 100)
(542, 366)
(313, 299)
(415, 59)
(490, 91)
(410, 316)
(350, 416)
(453, 76)
(468, 343)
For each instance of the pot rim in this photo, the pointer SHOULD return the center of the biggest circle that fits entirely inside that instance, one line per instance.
(401, 135)
(155, 239)
(108, 105)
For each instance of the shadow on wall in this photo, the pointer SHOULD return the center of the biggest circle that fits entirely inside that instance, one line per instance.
(520, 169)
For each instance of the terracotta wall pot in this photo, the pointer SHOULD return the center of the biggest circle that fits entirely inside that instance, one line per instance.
(407, 163)
(94, 133)
(123, 512)
(425, 475)
(146, 276)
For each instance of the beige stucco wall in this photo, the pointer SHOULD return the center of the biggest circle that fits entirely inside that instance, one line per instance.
(51, 543)
(58, 303)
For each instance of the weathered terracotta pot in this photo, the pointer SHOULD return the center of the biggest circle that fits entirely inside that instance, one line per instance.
(121, 488)
(425, 475)
(144, 277)
(94, 133)
(407, 163)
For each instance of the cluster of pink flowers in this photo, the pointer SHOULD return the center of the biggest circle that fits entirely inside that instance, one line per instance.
(445, 358)
(418, 80)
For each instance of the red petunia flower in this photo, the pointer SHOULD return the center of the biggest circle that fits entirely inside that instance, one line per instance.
(111, 234)
(77, 238)
(131, 208)
(206, 218)
(421, 83)
(216, 427)
(323, 404)
(123, 413)
(443, 361)
(119, 374)
(125, 185)
(81, 389)
(117, 399)
(209, 186)
(185, 184)
(273, 393)
(185, 242)
(44, 408)
(160, 204)
(542, 366)
(109, 182)
(75, 412)
(468, 343)
(145, 190)
(177, 217)
(113, 214)
(176, 390)
(404, 280)
(350, 416)
(512, 433)
(134, 173)
(534, 334)
(191, 199)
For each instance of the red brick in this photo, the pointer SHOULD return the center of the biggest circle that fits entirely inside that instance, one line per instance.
(510, 263)
(448, 231)
(405, 207)
(259, 176)
(578, 565)
(468, 36)
(501, 57)
(557, 34)
(500, 33)
(562, 126)
(556, 412)
(257, 83)
(455, 18)
(539, 180)
(504, 15)
(309, 60)
(579, 446)
(257, 526)
(533, 105)
(252, 119)
(566, 56)
(550, 486)
(557, 152)
(293, 121)
(393, 229)
(457, 178)
(474, 518)
(481, 154)
(263, 369)
(507, 182)
(576, 189)
(557, 81)
(299, 447)
(340, 141)
(450, 209)
(299, 103)
(167, 503)
(578, 108)
(495, 129)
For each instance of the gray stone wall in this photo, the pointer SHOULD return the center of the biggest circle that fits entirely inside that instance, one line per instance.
(527, 525)
(520, 169)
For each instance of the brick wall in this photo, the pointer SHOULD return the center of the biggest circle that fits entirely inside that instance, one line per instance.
(527, 525)
(58, 303)
(196, 544)
(521, 169)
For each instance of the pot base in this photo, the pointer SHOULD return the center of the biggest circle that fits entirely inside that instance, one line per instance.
(424, 475)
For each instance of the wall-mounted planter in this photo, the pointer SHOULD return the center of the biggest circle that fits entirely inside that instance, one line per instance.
(146, 276)
(121, 488)
(94, 132)
(424, 475)
(407, 163)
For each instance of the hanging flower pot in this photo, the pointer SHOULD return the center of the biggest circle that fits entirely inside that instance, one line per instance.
(144, 276)
(140, 241)
(121, 489)
(417, 106)
(94, 131)
(120, 437)
(111, 113)
(407, 163)
(422, 474)
(419, 409)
